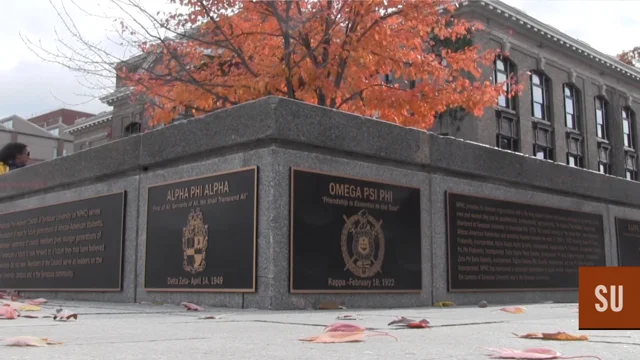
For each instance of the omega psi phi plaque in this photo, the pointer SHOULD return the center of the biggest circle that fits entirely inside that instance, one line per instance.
(201, 234)
(353, 235)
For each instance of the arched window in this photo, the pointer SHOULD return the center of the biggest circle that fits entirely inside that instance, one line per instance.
(540, 98)
(627, 127)
(602, 135)
(629, 139)
(602, 118)
(505, 69)
(572, 100)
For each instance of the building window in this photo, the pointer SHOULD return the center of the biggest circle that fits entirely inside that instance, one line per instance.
(507, 137)
(64, 152)
(574, 155)
(8, 124)
(601, 119)
(631, 170)
(627, 127)
(540, 96)
(55, 132)
(543, 146)
(571, 107)
(504, 72)
(604, 164)
(132, 128)
(55, 152)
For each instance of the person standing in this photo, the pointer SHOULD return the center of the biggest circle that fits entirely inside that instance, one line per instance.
(13, 156)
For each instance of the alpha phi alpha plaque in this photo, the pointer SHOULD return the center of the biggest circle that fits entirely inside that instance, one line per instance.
(353, 235)
(201, 234)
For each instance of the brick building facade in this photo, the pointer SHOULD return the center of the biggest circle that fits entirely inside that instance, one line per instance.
(55, 121)
(577, 106)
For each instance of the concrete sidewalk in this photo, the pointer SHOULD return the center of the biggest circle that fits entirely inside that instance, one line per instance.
(138, 331)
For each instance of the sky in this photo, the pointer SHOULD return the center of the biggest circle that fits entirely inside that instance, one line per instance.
(30, 85)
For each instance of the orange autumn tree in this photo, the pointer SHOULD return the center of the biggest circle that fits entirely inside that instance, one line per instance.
(332, 53)
(630, 57)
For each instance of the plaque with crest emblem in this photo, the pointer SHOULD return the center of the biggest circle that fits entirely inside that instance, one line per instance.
(351, 235)
(201, 233)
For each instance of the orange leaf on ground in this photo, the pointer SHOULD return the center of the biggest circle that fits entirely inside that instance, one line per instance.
(514, 310)
(336, 337)
(562, 336)
(191, 307)
(30, 341)
(422, 324)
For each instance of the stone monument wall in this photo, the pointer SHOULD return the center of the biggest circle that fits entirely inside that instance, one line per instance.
(277, 204)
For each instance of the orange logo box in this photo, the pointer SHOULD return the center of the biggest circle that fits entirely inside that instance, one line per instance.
(609, 298)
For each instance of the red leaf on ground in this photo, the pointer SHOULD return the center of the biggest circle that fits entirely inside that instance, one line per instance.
(411, 323)
(343, 327)
(422, 324)
(191, 307)
(8, 312)
(37, 301)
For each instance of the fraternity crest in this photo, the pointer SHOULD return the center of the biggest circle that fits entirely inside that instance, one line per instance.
(362, 244)
(195, 239)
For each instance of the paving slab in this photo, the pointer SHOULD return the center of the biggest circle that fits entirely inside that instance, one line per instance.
(146, 331)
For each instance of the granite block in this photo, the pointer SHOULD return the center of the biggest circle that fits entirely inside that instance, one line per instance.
(441, 184)
(130, 185)
(284, 159)
(83, 167)
(472, 160)
(206, 167)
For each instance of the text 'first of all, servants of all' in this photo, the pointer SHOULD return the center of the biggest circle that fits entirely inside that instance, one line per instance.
(189, 192)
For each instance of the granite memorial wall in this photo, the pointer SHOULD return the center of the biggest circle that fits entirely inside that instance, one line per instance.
(277, 204)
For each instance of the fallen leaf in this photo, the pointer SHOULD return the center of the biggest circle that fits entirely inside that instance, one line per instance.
(39, 301)
(336, 337)
(514, 310)
(211, 317)
(342, 337)
(342, 327)
(30, 341)
(64, 315)
(27, 307)
(9, 312)
(411, 323)
(561, 336)
(532, 354)
(347, 317)
(526, 354)
(422, 324)
(192, 307)
(444, 304)
(330, 305)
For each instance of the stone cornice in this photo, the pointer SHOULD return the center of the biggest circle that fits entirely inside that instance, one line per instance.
(574, 45)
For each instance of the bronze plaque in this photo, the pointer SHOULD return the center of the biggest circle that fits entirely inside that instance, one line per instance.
(201, 234)
(353, 235)
(497, 245)
(71, 246)
(628, 236)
